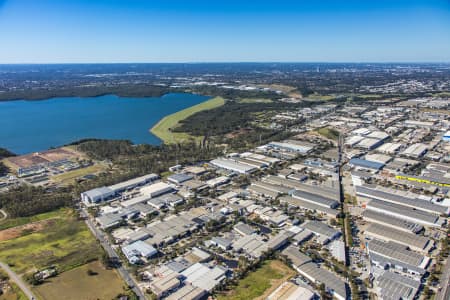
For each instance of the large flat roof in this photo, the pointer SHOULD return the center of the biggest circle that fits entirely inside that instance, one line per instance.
(409, 239)
(330, 280)
(309, 205)
(391, 196)
(401, 210)
(396, 251)
(391, 221)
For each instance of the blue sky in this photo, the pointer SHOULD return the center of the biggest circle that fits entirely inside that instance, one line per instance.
(57, 31)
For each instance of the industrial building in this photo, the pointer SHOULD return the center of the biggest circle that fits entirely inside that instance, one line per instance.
(393, 196)
(315, 199)
(232, 165)
(405, 213)
(106, 193)
(415, 150)
(386, 220)
(411, 240)
(156, 189)
(135, 251)
(323, 232)
(398, 257)
(204, 277)
(179, 178)
(290, 291)
(292, 146)
(309, 206)
(391, 285)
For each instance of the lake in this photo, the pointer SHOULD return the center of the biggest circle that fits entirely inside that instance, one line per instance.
(32, 126)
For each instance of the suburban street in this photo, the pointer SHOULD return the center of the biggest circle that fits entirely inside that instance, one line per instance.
(17, 280)
(112, 253)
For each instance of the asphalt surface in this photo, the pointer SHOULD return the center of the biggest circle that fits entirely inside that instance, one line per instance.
(444, 293)
(14, 277)
(129, 280)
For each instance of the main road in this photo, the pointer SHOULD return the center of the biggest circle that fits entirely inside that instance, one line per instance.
(444, 293)
(129, 280)
(16, 278)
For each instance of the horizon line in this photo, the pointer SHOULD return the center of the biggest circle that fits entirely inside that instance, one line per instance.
(226, 62)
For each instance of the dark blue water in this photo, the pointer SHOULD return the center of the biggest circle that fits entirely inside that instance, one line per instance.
(31, 126)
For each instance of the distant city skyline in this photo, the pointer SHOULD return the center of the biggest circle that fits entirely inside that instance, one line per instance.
(102, 31)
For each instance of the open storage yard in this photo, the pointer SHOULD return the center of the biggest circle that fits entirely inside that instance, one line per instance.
(260, 283)
(76, 284)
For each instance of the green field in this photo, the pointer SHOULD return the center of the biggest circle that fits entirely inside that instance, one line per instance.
(255, 100)
(68, 243)
(76, 284)
(329, 133)
(70, 176)
(261, 282)
(163, 128)
(9, 223)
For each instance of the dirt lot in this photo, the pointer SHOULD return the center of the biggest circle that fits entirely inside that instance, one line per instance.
(15, 232)
(28, 160)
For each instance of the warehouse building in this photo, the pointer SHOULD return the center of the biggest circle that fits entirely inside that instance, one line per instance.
(292, 146)
(415, 150)
(393, 196)
(386, 220)
(156, 189)
(204, 277)
(232, 165)
(290, 291)
(323, 232)
(398, 257)
(411, 240)
(137, 250)
(405, 213)
(309, 206)
(362, 164)
(179, 178)
(315, 199)
(394, 286)
(335, 285)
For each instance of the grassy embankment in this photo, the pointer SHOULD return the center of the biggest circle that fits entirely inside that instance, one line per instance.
(262, 282)
(65, 242)
(163, 128)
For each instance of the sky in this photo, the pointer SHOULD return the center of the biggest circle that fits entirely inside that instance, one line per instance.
(102, 31)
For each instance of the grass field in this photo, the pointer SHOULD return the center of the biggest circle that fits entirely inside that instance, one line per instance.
(76, 284)
(259, 284)
(163, 128)
(70, 176)
(319, 97)
(9, 223)
(68, 243)
(255, 100)
(329, 133)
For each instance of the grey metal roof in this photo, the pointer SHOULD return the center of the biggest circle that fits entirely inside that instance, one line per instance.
(391, 221)
(296, 257)
(330, 280)
(321, 228)
(374, 193)
(308, 205)
(396, 251)
(395, 286)
(320, 200)
(180, 177)
(313, 189)
(409, 239)
(366, 163)
(420, 216)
